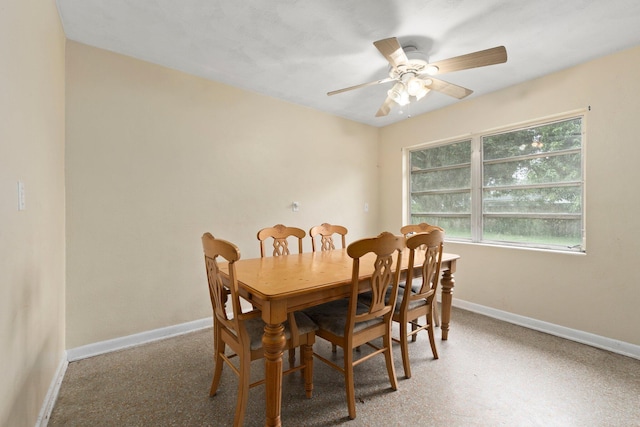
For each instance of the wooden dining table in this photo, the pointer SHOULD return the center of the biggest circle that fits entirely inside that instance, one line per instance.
(283, 284)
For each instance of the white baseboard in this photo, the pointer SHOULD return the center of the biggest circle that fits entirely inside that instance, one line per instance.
(615, 346)
(136, 339)
(52, 394)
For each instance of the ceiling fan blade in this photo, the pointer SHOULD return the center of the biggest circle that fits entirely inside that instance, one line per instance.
(482, 58)
(448, 88)
(385, 107)
(377, 82)
(392, 50)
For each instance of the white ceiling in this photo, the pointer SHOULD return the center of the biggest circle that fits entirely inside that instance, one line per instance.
(298, 50)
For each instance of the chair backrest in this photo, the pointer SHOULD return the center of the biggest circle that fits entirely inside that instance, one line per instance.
(385, 275)
(280, 233)
(423, 227)
(220, 289)
(431, 243)
(326, 231)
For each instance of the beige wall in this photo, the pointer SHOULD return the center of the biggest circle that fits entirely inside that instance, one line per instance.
(596, 293)
(156, 157)
(31, 241)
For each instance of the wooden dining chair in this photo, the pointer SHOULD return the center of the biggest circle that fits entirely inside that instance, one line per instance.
(280, 234)
(418, 300)
(326, 232)
(349, 323)
(423, 227)
(242, 332)
(407, 231)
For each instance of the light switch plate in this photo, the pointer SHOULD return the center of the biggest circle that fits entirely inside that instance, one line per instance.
(21, 198)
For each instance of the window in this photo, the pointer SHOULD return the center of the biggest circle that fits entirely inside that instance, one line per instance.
(517, 187)
(441, 187)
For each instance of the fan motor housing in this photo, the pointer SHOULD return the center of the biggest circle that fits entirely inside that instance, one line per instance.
(416, 63)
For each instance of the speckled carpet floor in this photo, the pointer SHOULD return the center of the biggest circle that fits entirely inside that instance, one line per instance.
(490, 373)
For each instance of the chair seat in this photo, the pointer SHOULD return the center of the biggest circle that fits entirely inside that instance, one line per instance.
(366, 299)
(255, 328)
(413, 304)
(416, 283)
(332, 316)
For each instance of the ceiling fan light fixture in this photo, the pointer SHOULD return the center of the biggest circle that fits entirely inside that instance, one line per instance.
(414, 86)
(417, 87)
(432, 70)
(398, 94)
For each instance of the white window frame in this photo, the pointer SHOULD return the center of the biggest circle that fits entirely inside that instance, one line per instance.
(476, 178)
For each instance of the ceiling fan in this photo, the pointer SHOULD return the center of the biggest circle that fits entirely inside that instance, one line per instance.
(414, 77)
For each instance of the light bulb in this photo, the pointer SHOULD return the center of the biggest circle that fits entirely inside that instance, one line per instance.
(398, 94)
(432, 70)
(417, 87)
(414, 86)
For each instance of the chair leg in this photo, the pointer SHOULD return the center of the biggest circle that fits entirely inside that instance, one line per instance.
(432, 339)
(349, 383)
(413, 328)
(292, 357)
(388, 356)
(436, 313)
(404, 346)
(243, 389)
(307, 351)
(219, 363)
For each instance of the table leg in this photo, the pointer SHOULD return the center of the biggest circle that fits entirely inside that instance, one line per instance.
(447, 283)
(273, 342)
